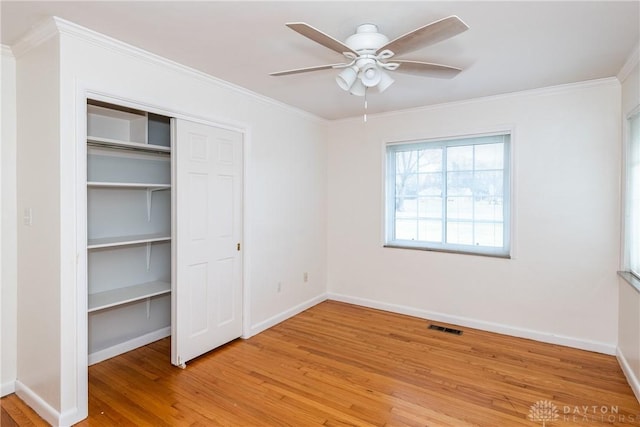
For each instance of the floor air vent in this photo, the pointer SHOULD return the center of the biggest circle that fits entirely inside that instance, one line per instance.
(447, 330)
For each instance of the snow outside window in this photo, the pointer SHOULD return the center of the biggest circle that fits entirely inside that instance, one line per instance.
(450, 195)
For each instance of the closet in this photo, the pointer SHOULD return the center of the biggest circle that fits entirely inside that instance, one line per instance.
(128, 228)
(164, 228)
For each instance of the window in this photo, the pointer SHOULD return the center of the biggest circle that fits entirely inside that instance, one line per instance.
(632, 198)
(449, 195)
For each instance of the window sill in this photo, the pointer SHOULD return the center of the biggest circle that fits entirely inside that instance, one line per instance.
(449, 251)
(630, 279)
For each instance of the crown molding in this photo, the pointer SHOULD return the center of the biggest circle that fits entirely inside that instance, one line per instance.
(630, 64)
(6, 51)
(548, 90)
(37, 35)
(71, 29)
(54, 25)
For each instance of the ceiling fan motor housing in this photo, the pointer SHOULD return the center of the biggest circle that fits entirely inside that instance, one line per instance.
(367, 39)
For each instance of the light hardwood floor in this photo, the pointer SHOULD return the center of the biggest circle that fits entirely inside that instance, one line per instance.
(342, 365)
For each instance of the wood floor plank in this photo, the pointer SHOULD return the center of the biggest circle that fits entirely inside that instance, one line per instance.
(342, 365)
(15, 412)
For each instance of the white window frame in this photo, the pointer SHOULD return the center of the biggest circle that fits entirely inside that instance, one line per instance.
(630, 227)
(389, 197)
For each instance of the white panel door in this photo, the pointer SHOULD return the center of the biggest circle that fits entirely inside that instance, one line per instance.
(207, 271)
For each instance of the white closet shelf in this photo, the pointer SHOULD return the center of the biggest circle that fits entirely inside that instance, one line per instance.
(106, 242)
(132, 185)
(127, 144)
(112, 298)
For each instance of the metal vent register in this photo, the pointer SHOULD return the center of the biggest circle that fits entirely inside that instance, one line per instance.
(447, 330)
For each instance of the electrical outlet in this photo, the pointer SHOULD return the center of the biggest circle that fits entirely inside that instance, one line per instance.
(28, 216)
(305, 277)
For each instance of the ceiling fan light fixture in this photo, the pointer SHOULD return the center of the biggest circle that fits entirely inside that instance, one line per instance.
(347, 77)
(370, 75)
(357, 80)
(385, 81)
(358, 89)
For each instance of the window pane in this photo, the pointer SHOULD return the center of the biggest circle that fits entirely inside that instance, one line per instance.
(489, 156)
(487, 234)
(430, 184)
(460, 233)
(460, 207)
(406, 230)
(430, 231)
(430, 207)
(488, 184)
(406, 208)
(430, 160)
(430, 202)
(407, 185)
(460, 158)
(460, 183)
(406, 162)
(488, 209)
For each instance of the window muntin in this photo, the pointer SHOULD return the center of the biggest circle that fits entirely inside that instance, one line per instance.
(450, 195)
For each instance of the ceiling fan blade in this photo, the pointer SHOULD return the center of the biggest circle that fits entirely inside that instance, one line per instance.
(307, 69)
(319, 37)
(427, 35)
(427, 69)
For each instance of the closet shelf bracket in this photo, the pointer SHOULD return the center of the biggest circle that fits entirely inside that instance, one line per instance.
(148, 256)
(150, 192)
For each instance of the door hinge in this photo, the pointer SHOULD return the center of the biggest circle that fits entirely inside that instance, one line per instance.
(238, 246)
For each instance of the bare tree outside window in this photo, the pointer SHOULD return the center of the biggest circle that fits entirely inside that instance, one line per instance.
(448, 193)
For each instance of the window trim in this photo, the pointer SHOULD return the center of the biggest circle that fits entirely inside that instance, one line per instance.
(505, 251)
(625, 234)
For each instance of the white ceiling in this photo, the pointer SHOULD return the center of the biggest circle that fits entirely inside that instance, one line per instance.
(510, 46)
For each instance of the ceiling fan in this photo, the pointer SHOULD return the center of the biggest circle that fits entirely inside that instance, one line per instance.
(369, 52)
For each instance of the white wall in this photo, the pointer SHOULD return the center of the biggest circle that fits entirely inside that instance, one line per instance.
(629, 297)
(8, 246)
(560, 285)
(631, 84)
(285, 199)
(38, 245)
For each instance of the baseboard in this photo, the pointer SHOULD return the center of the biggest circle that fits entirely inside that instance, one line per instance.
(280, 317)
(595, 346)
(632, 379)
(110, 352)
(42, 408)
(7, 388)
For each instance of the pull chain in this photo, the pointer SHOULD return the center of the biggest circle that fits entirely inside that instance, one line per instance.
(365, 105)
